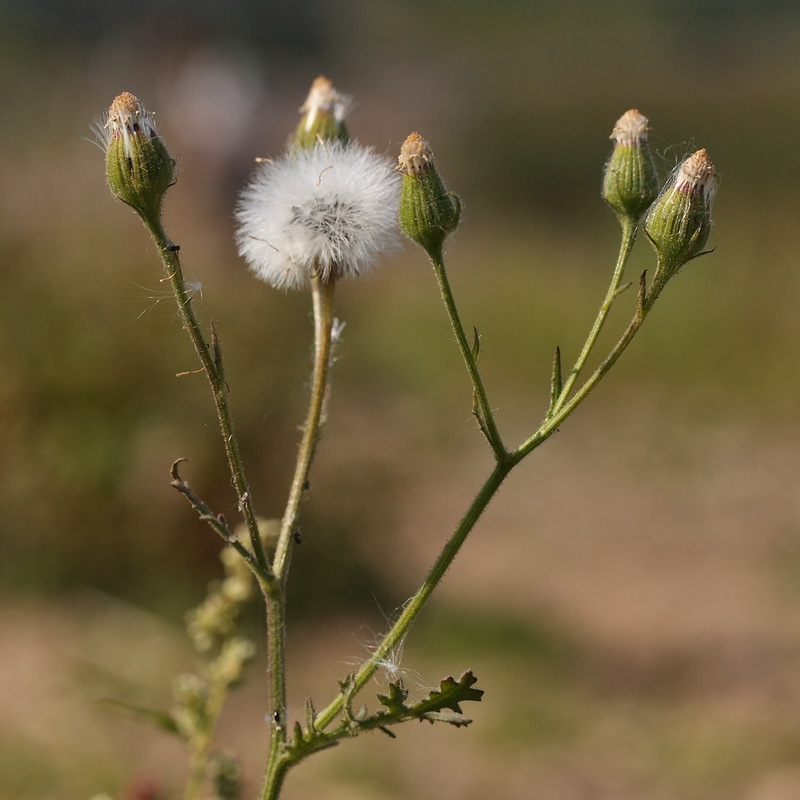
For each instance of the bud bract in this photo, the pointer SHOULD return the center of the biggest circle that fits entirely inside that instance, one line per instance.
(323, 116)
(429, 211)
(630, 181)
(138, 167)
(679, 221)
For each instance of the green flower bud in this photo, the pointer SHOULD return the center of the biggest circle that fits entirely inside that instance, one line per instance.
(138, 167)
(630, 181)
(429, 211)
(323, 116)
(679, 222)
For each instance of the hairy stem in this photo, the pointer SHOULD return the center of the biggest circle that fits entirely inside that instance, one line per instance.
(322, 295)
(628, 237)
(412, 608)
(276, 647)
(550, 425)
(213, 369)
(501, 470)
(278, 762)
(483, 409)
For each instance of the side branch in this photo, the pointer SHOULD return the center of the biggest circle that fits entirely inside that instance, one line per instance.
(212, 365)
(217, 522)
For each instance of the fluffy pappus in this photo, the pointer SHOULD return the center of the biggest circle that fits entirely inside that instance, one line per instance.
(330, 210)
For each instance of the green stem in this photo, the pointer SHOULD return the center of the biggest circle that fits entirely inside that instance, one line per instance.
(487, 492)
(277, 765)
(551, 424)
(629, 227)
(278, 762)
(213, 370)
(485, 414)
(414, 605)
(505, 463)
(322, 295)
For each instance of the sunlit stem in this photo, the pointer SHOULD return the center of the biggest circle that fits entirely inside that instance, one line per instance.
(484, 410)
(322, 295)
(629, 226)
(276, 647)
(489, 489)
(412, 608)
(550, 425)
(279, 762)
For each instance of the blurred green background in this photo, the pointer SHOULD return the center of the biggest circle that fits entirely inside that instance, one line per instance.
(630, 601)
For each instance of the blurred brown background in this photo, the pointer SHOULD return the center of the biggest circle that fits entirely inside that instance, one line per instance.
(629, 602)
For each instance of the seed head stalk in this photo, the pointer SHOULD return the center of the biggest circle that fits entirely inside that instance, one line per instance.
(322, 292)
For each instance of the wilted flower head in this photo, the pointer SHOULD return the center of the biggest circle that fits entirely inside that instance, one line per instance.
(679, 222)
(630, 181)
(323, 115)
(429, 211)
(330, 210)
(138, 167)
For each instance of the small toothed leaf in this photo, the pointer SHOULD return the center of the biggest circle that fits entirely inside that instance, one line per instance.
(450, 694)
(395, 700)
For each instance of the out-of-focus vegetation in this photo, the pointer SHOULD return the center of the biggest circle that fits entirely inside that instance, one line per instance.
(645, 568)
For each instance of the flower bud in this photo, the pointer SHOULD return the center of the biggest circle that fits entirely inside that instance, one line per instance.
(428, 209)
(323, 116)
(679, 221)
(630, 181)
(138, 167)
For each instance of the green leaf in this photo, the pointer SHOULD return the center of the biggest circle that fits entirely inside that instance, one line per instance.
(298, 739)
(161, 719)
(395, 700)
(450, 694)
(641, 296)
(217, 351)
(476, 343)
(556, 381)
(457, 720)
(311, 715)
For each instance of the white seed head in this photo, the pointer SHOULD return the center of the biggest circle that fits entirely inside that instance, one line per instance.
(330, 210)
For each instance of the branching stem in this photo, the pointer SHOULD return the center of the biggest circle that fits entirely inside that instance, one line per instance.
(172, 264)
(505, 461)
(629, 227)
